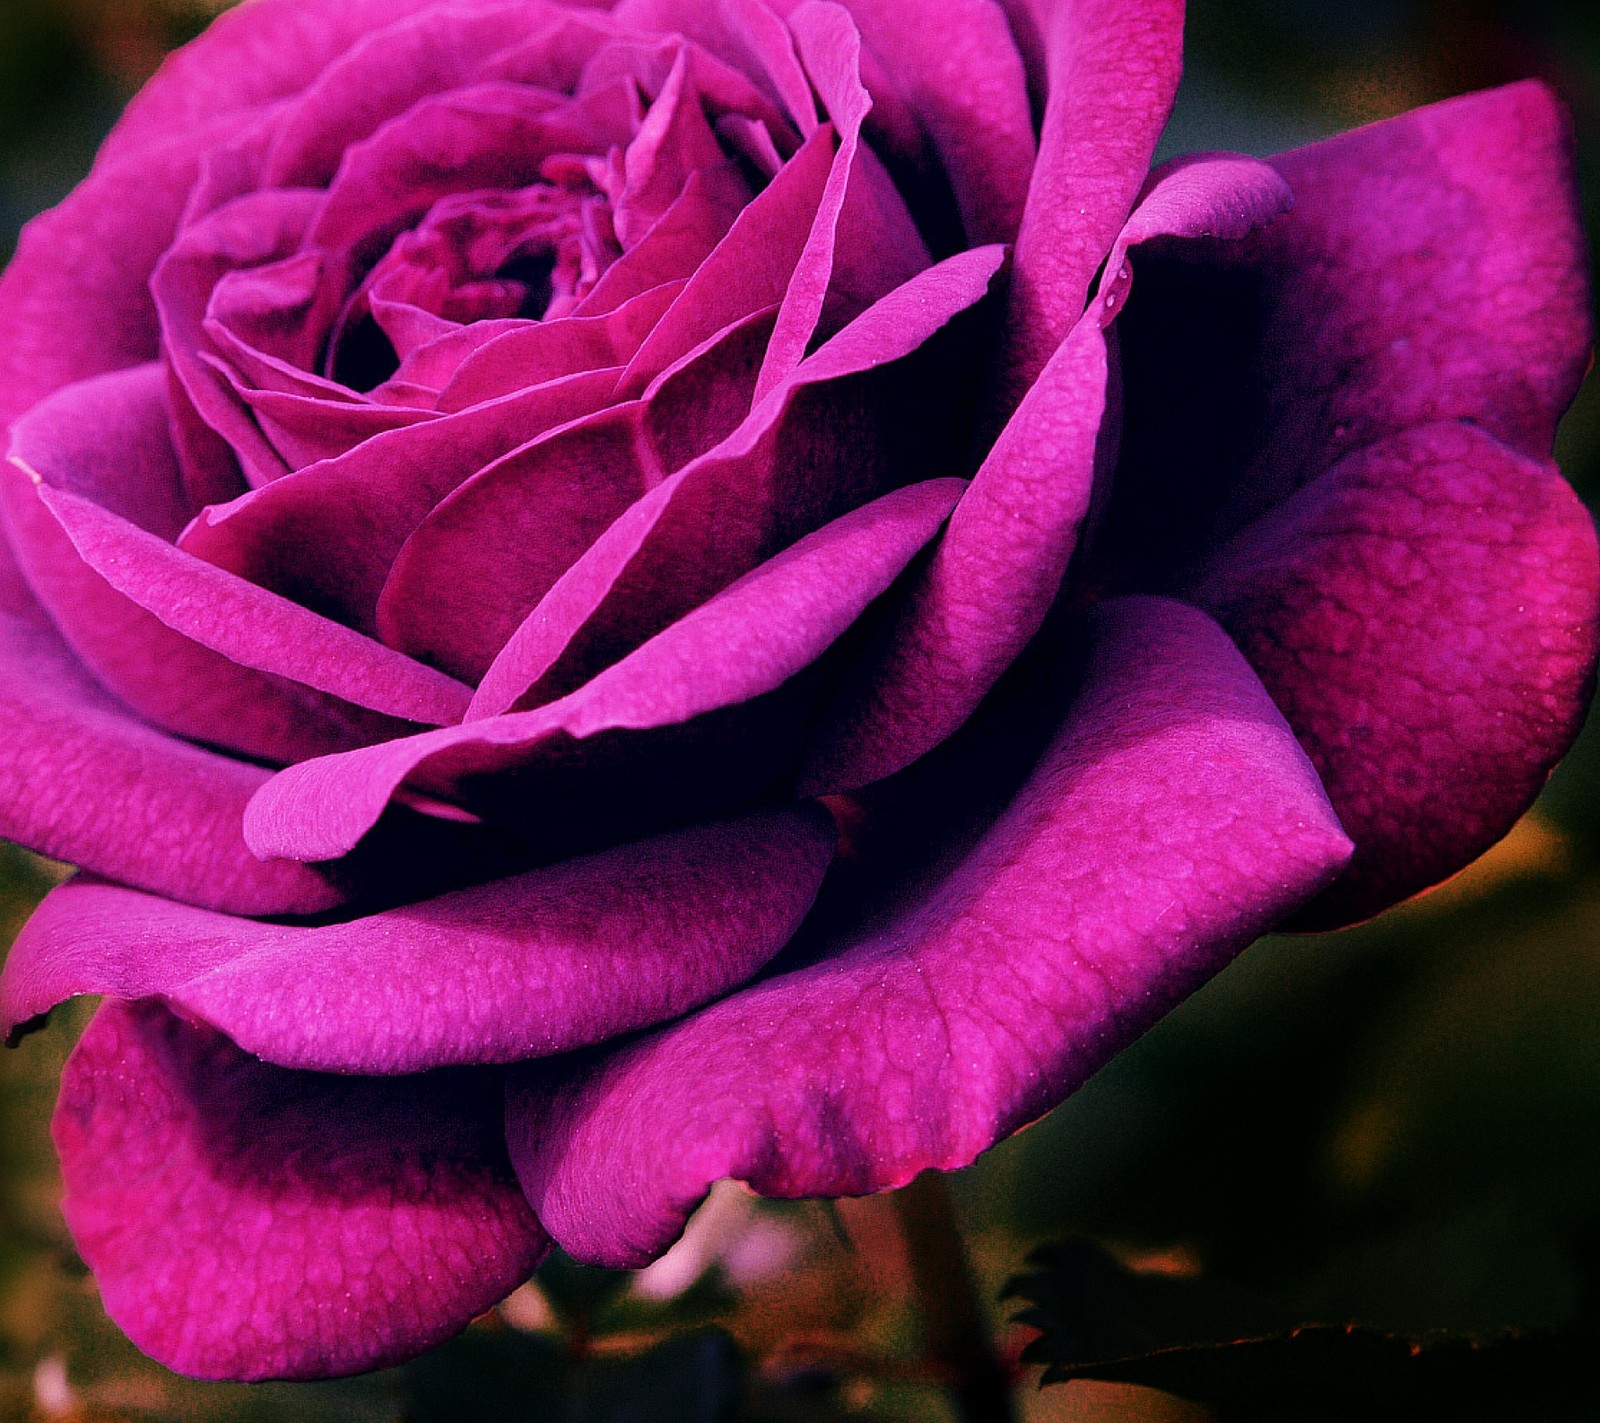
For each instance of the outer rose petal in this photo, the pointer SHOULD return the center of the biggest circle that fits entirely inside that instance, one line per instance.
(1438, 263)
(128, 547)
(245, 58)
(533, 964)
(1426, 616)
(1432, 268)
(1170, 820)
(247, 1222)
(963, 79)
(73, 301)
(83, 779)
(176, 683)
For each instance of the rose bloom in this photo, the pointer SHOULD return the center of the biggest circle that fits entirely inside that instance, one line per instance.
(610, 598)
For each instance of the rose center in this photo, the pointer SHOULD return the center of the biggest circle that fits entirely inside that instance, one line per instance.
(528, 255)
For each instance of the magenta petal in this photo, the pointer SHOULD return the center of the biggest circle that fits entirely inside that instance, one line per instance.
(679, 242)
(116, 495)
(1170, 819)
(534, 964)
(1436, 264)
(1432, 269)
(326, 535)
(780, 474)
(746, 34)
(255, 229)
(960, 73)
(484, 558)
(244, 59)
(830, 47)
(1426, 615)
(749, 269)
(1000, 564)
(398, 64)
(533, 352)
(73, 300)
(988, 586)
(751, 639)
(1113, 70)
(304, 429)
(247, 1222)
(84, 780)
(175, 682)
(250, 626)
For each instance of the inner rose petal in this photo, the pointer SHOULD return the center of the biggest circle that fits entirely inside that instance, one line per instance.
(531, 253)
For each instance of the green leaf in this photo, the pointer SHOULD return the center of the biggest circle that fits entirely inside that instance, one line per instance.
(1214, 1344)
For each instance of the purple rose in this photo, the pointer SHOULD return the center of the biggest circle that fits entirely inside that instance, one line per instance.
(611, 598)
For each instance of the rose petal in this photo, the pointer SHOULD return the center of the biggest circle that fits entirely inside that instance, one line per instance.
(1425, 613)
(679, 242)
(306, 430)
(750, 640)
(533, 964)
(487, 135)
(1461, 286)
(749, 269)
(245, 58)
(830, 48)
(163, 675)
(247, 1222)
(1113, 69)
(989, 584)
(959, 71)
(1169, 820)
(477, 565)
(250, 626)
(675, 140)
(545, 350)
(781, 474)
(84, 780)
(747, 34)
(327, 535)
(256, 229)
(430, 52)
(1432, 269)
(1000, 564)
(73, 300)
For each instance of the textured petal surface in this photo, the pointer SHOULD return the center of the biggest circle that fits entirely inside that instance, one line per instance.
(1113, 69)
(1425, 613)
(326, 536)
(897, 379)
(1169, 819)
(1432, 268)
(108, 438)
(248, 57)
(961, 76)
(1439, 259)
(250, 626)
(743, 644)
(247, 1222)
(73, 301)
(1001, 562)
(525, 966)
(84, 780)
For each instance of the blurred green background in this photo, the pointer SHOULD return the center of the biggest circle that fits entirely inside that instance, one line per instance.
(1397, 1125)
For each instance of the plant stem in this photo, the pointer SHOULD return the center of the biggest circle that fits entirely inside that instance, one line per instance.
(955, 1332)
